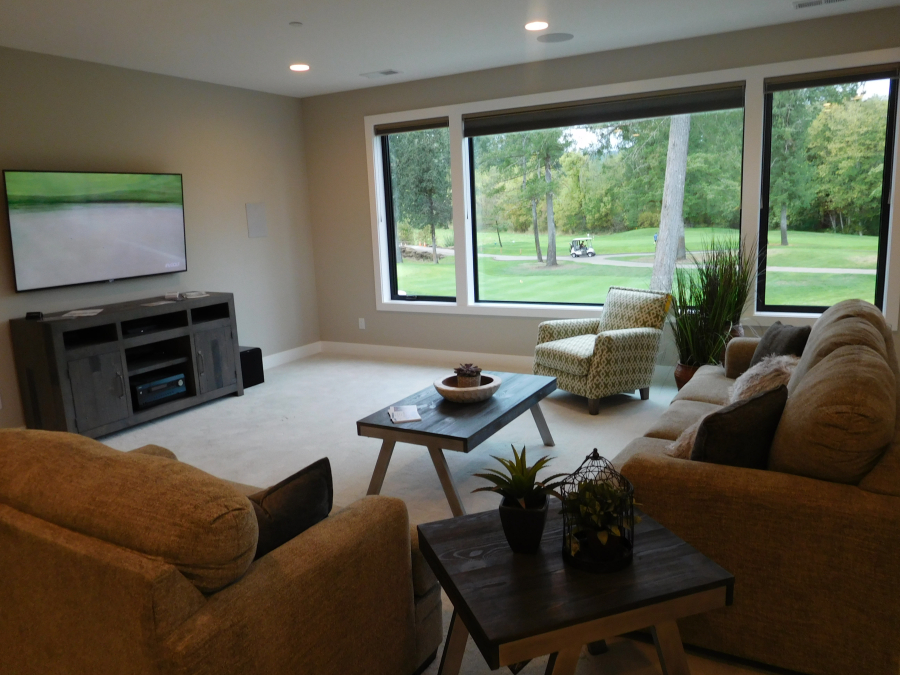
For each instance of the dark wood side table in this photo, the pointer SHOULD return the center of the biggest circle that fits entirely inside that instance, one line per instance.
(518, 607)
(456, 426)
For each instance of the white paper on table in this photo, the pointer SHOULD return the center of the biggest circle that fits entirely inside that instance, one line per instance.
(404, 413)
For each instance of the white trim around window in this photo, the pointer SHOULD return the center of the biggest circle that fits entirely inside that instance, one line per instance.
(754, 77)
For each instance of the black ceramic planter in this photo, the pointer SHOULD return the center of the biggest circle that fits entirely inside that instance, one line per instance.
(523, 527)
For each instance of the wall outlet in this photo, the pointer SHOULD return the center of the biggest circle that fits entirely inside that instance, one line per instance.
(362, 324)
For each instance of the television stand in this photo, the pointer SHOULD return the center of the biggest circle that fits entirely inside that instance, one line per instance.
(131, 363)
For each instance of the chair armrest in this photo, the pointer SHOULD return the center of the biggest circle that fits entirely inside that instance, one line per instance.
(548, 331)
(737, 356)
(826, 555)
(611, 344)
(338, 598)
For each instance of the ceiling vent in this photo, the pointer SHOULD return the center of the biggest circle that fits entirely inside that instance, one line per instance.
(806, 4)
(380, 73)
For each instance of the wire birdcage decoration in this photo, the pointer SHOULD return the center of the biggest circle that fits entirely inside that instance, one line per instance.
(598, 516)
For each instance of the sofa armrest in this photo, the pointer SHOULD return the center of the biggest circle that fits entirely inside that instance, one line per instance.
(816, 564)
(548, 331)
(336, 599)
(737, 356)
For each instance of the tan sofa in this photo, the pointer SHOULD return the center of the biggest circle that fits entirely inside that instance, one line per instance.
(120, 563)
(816, 562)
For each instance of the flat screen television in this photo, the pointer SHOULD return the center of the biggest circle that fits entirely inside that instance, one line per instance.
(77, 227)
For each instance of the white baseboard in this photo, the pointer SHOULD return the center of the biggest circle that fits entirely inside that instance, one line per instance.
(505, 362)
(279, 359)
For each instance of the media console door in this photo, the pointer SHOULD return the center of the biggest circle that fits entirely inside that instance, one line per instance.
(98, 390)
(215, 358)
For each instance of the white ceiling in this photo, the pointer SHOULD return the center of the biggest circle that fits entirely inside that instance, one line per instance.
(248, 43)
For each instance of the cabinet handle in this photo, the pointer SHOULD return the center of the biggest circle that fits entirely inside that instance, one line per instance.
(121, 384)
(200, 358)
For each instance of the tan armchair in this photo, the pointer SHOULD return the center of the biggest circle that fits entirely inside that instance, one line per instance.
(614, 354)
(345, 596)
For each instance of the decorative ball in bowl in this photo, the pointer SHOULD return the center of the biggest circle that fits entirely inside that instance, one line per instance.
(449, 389)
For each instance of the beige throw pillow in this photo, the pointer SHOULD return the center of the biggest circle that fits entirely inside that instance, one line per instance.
(768, 374)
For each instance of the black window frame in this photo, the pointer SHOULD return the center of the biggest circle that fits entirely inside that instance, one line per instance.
(382, 133)
(820, 80)
(709, 98)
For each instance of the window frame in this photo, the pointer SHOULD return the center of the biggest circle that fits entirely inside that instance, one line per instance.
(390, 223)
(753, 75)
(819, 80)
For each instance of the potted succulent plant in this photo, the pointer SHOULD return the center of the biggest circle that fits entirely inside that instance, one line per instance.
(599, 518)
(523, 510)
(468, 375)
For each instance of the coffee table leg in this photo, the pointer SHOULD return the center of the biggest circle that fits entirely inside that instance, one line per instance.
(538, 415)
(669, 649)
(454, 646)
(384, 458)
(564, 662)
(443, 472)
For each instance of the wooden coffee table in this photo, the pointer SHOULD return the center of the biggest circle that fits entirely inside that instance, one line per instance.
(456, 426)
(518, 606)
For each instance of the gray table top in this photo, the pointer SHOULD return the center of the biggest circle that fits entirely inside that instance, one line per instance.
(460, 426)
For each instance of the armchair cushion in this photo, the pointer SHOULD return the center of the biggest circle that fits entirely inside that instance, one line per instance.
(153, 505)
(570, 355)
(549, 331)
(633, 308)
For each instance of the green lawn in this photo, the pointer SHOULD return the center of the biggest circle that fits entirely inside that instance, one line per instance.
(575, 282)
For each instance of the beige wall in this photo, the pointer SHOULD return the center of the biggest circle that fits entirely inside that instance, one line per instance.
(233, 146)
(336, 158)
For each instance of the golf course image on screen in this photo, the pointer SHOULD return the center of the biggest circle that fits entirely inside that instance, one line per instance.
(73, 228)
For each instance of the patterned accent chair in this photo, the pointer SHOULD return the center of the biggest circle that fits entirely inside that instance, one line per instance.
(614, 354)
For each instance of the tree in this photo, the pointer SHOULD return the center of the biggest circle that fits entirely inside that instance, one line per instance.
(548, 146)
(420, 179)
(846, 147)
(671, 223)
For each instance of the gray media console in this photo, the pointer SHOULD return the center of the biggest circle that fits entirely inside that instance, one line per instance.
(131, 363)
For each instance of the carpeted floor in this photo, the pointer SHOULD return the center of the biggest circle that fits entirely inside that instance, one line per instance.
(307, 409)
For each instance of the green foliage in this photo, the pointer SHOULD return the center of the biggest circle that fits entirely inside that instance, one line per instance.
(519, 484)
(46, 189)
(597, 507)
(708, 299)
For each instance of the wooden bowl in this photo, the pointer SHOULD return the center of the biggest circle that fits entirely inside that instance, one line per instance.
(448, 389)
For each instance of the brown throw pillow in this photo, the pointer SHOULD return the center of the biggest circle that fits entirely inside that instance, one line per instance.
(740, 434)
(293, 505)
(780, 340)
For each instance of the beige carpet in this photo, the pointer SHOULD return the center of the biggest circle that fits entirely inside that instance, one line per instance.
(307, 409)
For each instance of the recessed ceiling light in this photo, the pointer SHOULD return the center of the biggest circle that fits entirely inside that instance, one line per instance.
(295, 24)
(537, 25)
(299, 67)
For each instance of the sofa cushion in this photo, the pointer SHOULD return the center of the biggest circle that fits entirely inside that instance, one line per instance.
(708, 385)
(152, 505)
(641, 444)
(781, 340)
(678, 417)
(423, 578)
(570, 355)
(633, 308)
(292, 506)
(852, 322)
(740, 434)
(839, 419)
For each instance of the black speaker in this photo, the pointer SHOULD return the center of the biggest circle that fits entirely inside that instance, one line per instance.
(251, 366)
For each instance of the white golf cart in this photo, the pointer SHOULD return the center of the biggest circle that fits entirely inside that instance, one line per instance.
(581, 247)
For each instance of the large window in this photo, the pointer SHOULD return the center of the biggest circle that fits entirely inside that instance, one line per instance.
(826, 189)
(418, 210)
(568, 201)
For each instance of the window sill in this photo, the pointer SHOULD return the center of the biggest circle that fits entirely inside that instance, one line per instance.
(537, 311)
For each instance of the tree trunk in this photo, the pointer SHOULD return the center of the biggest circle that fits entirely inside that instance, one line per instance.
(551, 226)
(498, 235)
(784, 241)
(397, 243)
(537, 237)
(682, 250)
(833, 222)
(434, 245)
(671, 223)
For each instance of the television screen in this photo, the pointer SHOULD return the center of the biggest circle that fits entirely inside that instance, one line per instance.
(77, 228)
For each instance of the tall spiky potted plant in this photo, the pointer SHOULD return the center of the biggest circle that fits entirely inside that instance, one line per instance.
(523, 511)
